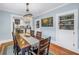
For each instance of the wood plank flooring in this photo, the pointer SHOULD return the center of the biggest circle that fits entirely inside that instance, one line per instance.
(57, 50)
(60, 50)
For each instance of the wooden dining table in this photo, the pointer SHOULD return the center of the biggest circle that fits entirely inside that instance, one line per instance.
(25, 41)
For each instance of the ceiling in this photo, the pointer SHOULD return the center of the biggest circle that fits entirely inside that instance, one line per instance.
(35, 8)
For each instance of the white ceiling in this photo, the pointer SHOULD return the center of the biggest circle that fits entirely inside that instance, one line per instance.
(35, 8)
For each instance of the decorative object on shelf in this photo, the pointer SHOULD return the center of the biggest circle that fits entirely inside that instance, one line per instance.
(37, 24)
(28, 27)
(28, 16)
(66, 22)
(47, 22)
(22, 27)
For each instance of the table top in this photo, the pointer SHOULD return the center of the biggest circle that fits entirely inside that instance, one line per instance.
(31, 40)
(24, 41)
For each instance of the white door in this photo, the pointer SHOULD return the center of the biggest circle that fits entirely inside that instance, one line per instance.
(67, 37)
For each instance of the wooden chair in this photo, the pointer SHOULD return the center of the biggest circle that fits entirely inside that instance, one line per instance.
(16, 48)
(39, 35)
(43, 47)
(32, 33)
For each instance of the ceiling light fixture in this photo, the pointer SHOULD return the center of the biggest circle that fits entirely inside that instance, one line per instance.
(28, 16)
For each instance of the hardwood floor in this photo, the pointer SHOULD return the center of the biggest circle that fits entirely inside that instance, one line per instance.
(4, 45)
(0, 47)
(60, 50)
(57, 50)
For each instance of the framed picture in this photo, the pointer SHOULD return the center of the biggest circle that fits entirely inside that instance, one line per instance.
(17, 21)
(47, 22)
(37, 24)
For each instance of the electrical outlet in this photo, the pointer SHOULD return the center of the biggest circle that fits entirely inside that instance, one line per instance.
(73, 44)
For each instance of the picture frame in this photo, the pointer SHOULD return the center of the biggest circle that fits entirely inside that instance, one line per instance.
(37, 24)
(17, 21)
(47, 22)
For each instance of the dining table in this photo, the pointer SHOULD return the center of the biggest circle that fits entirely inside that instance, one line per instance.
(25, 41)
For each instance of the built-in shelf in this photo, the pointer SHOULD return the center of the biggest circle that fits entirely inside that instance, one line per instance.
(66, 22)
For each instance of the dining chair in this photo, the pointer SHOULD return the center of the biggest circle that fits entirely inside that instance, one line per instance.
(43, 47)
(16, 48)
(39, 35)
(32, 33)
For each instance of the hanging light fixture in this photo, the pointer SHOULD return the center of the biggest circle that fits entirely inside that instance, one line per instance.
(28, 16)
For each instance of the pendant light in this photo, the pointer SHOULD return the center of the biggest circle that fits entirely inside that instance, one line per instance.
(28, 16)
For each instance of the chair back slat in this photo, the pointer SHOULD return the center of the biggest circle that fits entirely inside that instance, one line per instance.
(15, 46)
(14, 38)
(43, 45)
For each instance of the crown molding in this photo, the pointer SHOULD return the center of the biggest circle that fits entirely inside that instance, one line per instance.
(10, 11)
(52, 9)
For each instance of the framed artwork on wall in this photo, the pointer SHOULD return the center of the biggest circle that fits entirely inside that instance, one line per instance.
(37, 24)
(17, 21)
(47, 22)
